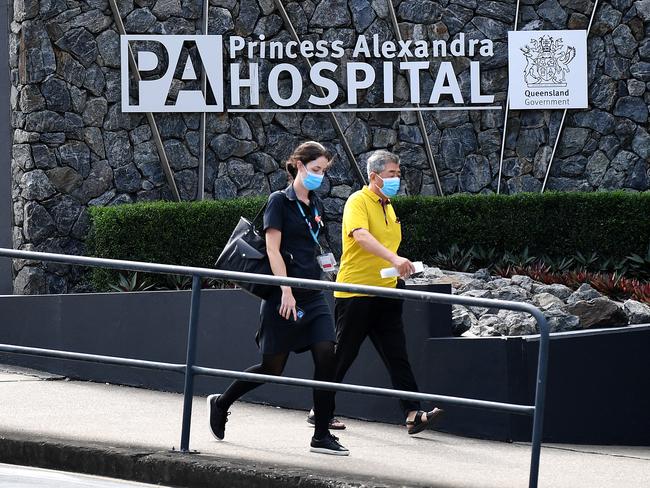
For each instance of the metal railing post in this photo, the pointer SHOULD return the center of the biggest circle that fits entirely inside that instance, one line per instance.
(540, 397)
(188, 391)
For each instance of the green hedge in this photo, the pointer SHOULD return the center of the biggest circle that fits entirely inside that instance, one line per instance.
(613, 224)
(187, 234)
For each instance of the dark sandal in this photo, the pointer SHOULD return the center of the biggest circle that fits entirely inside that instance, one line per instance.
(335, 424)
(418, 425)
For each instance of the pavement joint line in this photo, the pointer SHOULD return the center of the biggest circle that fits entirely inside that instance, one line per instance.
(596, 453)
(21, 381)
(40, 375)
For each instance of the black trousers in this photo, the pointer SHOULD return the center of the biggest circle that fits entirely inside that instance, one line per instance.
(381, 320)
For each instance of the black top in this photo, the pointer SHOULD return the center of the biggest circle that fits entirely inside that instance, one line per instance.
(297, 246)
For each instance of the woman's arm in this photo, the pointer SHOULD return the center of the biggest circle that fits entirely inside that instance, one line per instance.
(288, 302)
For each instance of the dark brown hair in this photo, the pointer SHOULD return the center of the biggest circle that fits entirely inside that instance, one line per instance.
(307, 152)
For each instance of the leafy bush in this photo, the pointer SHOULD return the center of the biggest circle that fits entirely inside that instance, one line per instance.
(611, 224)
(455, 259)
(476, 257)
(131, 282)
(564, 231)
(186, 234)
(640, 265)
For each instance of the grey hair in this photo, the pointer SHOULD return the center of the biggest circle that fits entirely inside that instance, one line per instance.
(378, 160)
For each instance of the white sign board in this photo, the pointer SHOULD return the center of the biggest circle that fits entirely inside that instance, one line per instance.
(262, 75)
(548, 69)
(153, 92)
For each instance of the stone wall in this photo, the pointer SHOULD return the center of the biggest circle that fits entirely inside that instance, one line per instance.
(74, 148)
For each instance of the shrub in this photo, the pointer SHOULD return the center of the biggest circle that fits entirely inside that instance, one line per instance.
(187, 234)
(131, 282)
(611, 224)
(556, 226)
(476, 257)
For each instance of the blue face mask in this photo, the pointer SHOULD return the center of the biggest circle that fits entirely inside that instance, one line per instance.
(391, 186)
(312, 180)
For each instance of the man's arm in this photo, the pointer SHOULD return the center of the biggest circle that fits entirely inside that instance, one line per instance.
(370, 244)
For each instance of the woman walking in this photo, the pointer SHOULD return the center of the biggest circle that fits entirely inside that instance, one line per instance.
(295, 320)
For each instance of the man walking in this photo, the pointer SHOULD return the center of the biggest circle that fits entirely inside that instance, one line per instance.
(371, 236)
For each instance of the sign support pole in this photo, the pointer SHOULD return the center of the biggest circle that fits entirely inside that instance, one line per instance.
(346, 146)
(423, 128)
(559, 132)
(162, 155)
(505, 117)
(200, 187)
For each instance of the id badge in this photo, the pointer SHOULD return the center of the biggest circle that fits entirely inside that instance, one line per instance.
(327, 262)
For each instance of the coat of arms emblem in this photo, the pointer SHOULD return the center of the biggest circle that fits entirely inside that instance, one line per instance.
(547, 62)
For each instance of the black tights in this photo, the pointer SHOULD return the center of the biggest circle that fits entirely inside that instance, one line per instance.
(273, 364)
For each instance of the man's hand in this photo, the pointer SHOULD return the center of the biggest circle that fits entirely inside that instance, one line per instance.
(403, 266)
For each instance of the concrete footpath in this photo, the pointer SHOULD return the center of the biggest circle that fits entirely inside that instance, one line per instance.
(124, 432)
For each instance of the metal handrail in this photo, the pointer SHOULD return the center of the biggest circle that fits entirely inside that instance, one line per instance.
(190, 369)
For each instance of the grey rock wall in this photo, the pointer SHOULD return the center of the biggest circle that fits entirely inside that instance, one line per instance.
(73, 148)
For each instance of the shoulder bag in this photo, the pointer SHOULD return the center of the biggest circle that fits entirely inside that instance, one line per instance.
(246, 252)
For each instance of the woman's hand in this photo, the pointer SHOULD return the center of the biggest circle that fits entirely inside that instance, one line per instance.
(288, 304)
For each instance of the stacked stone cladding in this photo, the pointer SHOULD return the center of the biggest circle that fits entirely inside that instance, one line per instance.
(74, 148)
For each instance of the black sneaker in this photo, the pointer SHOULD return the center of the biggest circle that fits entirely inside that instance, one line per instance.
(217, 418)
(328, 445)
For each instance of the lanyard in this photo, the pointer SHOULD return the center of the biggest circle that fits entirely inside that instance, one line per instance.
(314, 235)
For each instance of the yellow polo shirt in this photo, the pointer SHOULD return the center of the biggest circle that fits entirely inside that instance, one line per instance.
(364, 210)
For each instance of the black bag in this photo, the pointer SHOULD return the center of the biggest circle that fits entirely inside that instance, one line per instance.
(246, 252)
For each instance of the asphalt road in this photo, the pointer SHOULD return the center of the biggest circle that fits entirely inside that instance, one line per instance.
(12, 476)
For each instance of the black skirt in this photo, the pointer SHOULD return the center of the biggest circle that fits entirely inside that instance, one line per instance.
(277, 335)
